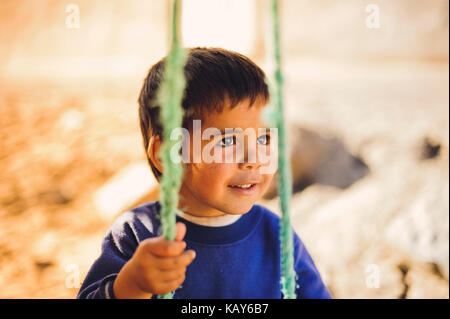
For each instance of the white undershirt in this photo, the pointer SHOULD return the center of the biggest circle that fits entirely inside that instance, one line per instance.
(216, 221)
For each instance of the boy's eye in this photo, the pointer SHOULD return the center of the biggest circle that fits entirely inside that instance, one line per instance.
(264, 139)
(228, 141)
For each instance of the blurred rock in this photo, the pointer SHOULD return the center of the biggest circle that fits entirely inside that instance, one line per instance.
(126, 188)
(43, 249)
(346, 232)
(316, 159)
(430, 149)
(71, 120)
(422, 229)
(57, 196)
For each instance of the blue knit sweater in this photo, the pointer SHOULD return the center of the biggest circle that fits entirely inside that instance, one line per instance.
(241, 260)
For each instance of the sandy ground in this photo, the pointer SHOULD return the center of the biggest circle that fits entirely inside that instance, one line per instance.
(60, 142)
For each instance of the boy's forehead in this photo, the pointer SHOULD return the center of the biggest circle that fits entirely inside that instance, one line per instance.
(242, 115)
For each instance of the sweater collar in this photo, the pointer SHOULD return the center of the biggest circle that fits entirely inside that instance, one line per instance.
(216, 221)
(219, 235)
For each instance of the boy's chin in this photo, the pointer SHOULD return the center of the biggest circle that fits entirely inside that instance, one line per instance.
(238, 210)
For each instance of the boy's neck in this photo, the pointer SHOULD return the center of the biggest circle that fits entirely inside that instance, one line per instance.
(190, 205)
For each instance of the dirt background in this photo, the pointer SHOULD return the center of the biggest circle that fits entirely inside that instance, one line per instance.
(368, 107)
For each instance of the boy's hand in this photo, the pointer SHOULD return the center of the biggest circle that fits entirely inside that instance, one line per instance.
(157, 267)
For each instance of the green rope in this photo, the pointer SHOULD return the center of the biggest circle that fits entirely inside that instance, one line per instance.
(170, 98)
(274, 114)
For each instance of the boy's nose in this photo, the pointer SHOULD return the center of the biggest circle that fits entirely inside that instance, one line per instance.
(247, 165)
(250, 159)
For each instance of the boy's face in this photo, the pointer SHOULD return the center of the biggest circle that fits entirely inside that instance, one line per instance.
(219, 187)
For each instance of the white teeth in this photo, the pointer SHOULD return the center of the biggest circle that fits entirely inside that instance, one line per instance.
(243, 186)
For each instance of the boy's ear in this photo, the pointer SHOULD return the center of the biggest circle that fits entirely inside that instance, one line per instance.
(153, 150)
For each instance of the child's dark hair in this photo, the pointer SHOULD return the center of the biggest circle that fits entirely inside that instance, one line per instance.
(215, 77)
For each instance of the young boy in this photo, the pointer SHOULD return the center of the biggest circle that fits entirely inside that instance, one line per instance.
(225, 245)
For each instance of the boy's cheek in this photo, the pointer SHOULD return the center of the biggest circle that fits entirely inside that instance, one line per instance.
(267, 180)
(207, 173)
(269, 167)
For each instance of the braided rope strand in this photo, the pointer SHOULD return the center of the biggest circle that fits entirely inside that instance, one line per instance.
(284, 175)
(170, 98)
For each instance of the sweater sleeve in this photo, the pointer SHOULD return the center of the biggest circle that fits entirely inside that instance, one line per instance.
(309, 281)
(118, 247)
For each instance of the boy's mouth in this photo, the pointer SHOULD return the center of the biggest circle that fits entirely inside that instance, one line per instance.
(243, 189)
(244, 186)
